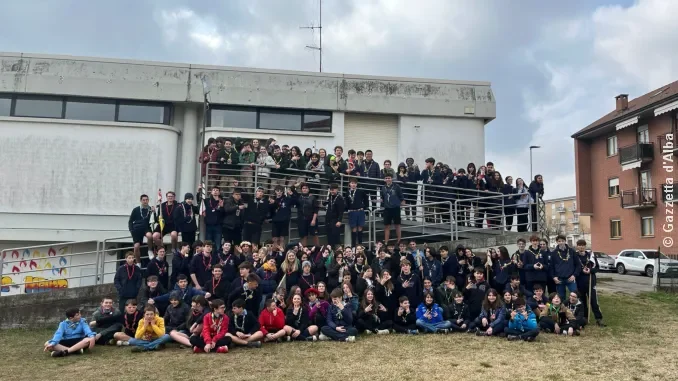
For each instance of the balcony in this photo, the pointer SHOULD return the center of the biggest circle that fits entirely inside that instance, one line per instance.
(573, 208)
(561, 209)
(666, 146)
(634, 155)
(669, 193)
(575, 231)
(644, 199)
(563, 222)
(574, 220)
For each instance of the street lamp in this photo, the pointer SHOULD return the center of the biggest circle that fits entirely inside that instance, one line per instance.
(531, 148)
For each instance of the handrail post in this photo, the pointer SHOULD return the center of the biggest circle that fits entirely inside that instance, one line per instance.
(453, 220)
(502, 225)
(456, 230)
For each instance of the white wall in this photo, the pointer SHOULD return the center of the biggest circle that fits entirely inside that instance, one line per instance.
(72, 167)
(454, 141)
(301, 139)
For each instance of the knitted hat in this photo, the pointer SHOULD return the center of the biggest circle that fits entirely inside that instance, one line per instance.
(243, 243)
(306, 263)
(188, 196)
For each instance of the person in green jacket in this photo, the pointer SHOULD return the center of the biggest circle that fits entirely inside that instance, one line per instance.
(105, 331)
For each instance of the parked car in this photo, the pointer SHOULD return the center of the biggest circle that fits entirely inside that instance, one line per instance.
(605, 262)
(643, 261)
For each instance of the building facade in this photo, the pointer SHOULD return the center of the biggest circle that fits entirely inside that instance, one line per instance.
(562, 217)
(82, 138)
(625, 168)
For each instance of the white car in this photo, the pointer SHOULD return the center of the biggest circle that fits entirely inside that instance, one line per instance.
(605, 261)
(643, 261)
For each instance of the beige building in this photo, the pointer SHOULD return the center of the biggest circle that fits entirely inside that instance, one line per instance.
(562, 217)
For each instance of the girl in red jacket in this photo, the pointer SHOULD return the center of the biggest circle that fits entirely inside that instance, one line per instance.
(272, 322)
(214, 327)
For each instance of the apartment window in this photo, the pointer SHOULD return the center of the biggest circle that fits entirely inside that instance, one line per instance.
(280, 120)
(143, 113)
(574, 205)
(553, 206)
(647, 226)
(615, 228)
(612, 145)
(39, 107)
(90, 110)
(613, 187)
(234, 117)
(317, 121)
(5, 106)
(643, 134)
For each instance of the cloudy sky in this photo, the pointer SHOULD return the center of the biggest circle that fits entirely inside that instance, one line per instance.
(554, 66)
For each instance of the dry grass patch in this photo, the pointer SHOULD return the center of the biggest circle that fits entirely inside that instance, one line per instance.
(639, 344)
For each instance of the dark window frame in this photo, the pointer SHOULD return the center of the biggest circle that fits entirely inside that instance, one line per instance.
(168, 111)
(259, 110)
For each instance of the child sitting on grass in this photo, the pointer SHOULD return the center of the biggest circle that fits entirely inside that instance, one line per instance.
(214, 327)
(150, 332)
(404, 319)
(106, 329)
(430, 316)
(491, 319)
(459, 317)
(557, 318)
(72, 336)
(339, 320)
(193, 326)
(522, 324)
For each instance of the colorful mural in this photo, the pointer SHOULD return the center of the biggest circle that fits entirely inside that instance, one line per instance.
(36, 270)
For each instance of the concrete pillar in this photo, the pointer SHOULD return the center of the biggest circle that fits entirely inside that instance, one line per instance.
(189, 153)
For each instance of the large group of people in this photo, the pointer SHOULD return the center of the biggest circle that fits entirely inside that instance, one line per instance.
(212, 298)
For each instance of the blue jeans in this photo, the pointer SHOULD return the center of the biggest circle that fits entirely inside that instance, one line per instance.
(433, 327)
(150, 345)
(213, 233)
(564, 283)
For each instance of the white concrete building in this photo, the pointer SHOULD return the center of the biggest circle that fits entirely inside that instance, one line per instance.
(81, 138)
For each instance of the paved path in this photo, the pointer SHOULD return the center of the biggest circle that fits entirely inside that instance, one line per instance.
(628, 284)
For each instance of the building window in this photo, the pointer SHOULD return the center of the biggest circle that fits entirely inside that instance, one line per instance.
(612, 145)
(615, 228)
(643, 134)
(574, 205)
(234, 117)
(553, 206)
(5, 106)
(90, 110)
(317, 121)
(280, 120)
(613, 187)
(143, 113)
(647, 226)
(39, 107)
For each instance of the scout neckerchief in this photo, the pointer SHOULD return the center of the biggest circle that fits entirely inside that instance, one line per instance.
(216, 323)
(310, 285)
(130, 274)
(129, 326)
(297, 320)
(187, 213)
(567, 254)
(141, 211)
(351, 195)
(168, 210)
(535, 252)
(367, 169)
(161, 269)
(240, 327)
(330, 202)
(215, 285)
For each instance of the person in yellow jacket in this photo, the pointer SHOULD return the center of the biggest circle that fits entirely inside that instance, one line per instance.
(150, 333)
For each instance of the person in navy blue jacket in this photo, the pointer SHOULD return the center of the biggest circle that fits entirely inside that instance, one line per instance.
(280, 208)
(229, 262)
(159, 267)
(201, 266)
(184, 219)
(127, 280)
(586, 279)
(182, 287)
(464, 185)
(432, 268)
(140, 228)
(535, 265)
(509, 202)
(181, 261)
(502, 269)
(536, 190)
(563, 267)
(339, 320)
(449, 265)
(431, 178)
(514, 286)
(213, 216)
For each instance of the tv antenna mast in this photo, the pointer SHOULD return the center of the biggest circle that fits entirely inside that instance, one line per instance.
(312, 27)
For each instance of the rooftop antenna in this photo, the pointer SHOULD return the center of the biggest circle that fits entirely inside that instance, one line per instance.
(319, 48)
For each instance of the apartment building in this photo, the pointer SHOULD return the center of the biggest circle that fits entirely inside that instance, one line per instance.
(625, 163)
(562, 217)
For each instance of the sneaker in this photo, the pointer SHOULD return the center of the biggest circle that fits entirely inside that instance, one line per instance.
(513, 337)
(413, 332)
(503, 334)
(383, 332)
(322, 337)
(254, 344)
(137, 349)
(121, 343)
(480, 333)
(564, 333)
(531, 339)
(350, 339)
(368, 332)
(223, 349)
(80, 352)
(600, 323)
(112, 342)
(58, 353)
(197, 350)
(288, 338)
(547, 330)
(311, 338)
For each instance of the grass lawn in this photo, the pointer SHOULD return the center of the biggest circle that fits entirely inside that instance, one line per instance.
(640, 343)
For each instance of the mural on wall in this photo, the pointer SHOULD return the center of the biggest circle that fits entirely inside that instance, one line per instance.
(36, 270)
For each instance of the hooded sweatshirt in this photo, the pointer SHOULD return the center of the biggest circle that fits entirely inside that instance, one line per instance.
(270, 323)
(175, 317)
(152, 332)
(68, 330)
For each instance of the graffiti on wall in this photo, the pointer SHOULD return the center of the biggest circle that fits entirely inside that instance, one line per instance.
(36, 270)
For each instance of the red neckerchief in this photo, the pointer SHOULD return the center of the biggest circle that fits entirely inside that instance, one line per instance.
(207, 265)
(129, 326)
(162, 269)
(212, 206)
(223, 261)
(167, 209)
(214, 286)
(130, 275)
(305, 281)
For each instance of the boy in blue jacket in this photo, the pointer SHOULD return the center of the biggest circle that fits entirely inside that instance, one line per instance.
(185, 291)
(127, 280)
(339, 320)
(430, 316)
(523, 323)
(72, 336)
(563, 268)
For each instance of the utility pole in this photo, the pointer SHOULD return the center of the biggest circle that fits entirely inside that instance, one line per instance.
(320, 29)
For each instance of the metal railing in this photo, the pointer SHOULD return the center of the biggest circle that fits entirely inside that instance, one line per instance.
(636, 152)
(665, 274)
(643, 198)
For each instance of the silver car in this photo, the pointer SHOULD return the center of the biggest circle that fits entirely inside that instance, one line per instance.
(605, 262)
